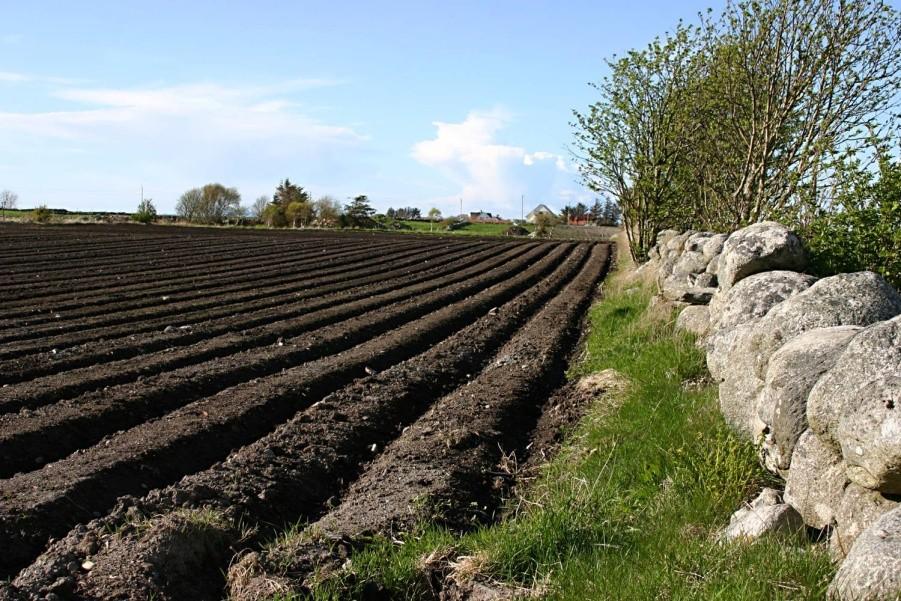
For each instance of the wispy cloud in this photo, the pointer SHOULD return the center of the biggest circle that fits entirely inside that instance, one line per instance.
(10, 39)
(488, 173)
(181, 135)
(207, 112)
(14, 77)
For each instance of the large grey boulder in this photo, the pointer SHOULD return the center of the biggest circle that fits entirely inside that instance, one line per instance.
(754, 296)
(681, 274)
(691, 262)
(677, 243)
(664, 236)
(855, 299)
(693, 319)
(720, 347)
(792, 372)
(740, 384)
(858, 508)
(872, 570)
(713, 266)
(760, 247)
(696, 242)
(713, 245)
(856, 406)
(681, 290)
(703, 280)
(816, 481)
(765, 514)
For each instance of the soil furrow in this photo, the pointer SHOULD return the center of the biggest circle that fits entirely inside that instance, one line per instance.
(168, 249)
(239, 318)
(185, 285)
(188, 308)
(38, 284)
(119, 261)
(63, 427)
(257, 331)
(194, 271)
(40, 249)
(198, 434)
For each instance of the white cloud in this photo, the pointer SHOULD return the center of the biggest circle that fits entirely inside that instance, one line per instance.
(491, 175)
(208, 112)
(12, 77)
(177, 136)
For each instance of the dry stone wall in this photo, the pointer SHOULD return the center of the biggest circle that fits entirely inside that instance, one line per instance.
(809, 370)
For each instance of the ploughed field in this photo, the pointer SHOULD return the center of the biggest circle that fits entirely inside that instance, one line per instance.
(148, 372)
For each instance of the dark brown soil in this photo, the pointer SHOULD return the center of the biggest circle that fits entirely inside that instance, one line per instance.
(189, 445)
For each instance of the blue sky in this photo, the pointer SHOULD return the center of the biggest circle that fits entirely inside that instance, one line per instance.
(413, 103)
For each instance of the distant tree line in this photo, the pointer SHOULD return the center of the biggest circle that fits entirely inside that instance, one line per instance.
(606, 213)
(290, 206)
(773, 109)
(404, 213)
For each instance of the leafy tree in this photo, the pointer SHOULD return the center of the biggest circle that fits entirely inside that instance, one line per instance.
(434, 215)
(188, 205)
(391, 213)
(580, 211)
(359, 213)
(861, 229)
(219, 203)
(274, 215)
(597, 212)
(286, 193)
(8, 199)
(258, 207)
(740, 120)
(615, 215)
(328, 211)
(300, 213)
(629, 145)
(786, 83)
(146, 212)
(214, 203)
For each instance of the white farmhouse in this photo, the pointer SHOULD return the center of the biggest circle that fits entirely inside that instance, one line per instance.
(539, 210)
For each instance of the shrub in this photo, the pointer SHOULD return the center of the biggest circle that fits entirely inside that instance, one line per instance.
(516, 230)
(454, 223)
(146, 212)
(544, 223)
(41, 214)
(862, 230)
